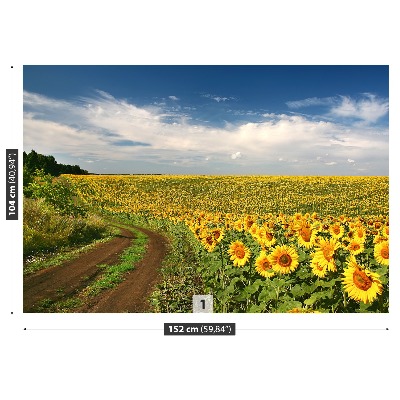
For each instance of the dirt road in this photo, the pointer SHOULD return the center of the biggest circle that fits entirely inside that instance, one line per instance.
(66, 280)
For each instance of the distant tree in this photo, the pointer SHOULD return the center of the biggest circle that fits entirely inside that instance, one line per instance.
(34, 161)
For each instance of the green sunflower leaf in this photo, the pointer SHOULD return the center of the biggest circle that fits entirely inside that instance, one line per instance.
(310, 301)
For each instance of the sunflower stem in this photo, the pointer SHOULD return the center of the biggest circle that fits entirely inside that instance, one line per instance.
(277, 298)
(380, 302)
(248, 299)
(222, 277)
(222, 267)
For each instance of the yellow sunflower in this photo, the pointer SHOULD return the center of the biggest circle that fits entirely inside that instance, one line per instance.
(325, 253)
(239, 253)
(298, 216)
(284, 259)
(249, 221)
(306, 237)
(360, 233)
(197, 231)
(229, 224)
(355, 247)
(209, 242)
(336, 230)
(218, 234)
(297, 222)
(361, 284)
(265, 236)
(264, 266)
(253, 230)
(318, 269)
(239, 225)
(381, 252)
(378, 225)
(378, 238)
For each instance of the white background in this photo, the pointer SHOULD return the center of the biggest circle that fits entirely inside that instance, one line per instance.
(127, 356)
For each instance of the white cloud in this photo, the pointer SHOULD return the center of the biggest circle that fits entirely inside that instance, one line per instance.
(96, 128)
(236, 155)
(173, 98)
(369, 108)
(350, 160)
(312, 101)
(218, 99)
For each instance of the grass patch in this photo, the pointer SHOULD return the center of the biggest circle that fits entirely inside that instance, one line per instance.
(180, 277)
(58, 306)
(46, 260)
(46, 230)
(113, 274)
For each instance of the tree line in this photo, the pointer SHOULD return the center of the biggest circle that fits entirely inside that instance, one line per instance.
(34, 161)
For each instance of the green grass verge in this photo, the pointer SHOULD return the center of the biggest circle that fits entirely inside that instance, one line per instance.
(181, 278)
(42, 261)
(46, 230)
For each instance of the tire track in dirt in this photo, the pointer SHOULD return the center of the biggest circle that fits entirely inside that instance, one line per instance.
(131, 295)
(64, 281)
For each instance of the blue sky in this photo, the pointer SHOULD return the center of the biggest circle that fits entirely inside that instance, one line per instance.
(269, 120)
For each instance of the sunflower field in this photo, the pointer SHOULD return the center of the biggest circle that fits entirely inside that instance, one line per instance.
(264, 243)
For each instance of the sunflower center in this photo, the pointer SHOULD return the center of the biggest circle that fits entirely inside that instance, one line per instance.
(268, 236)
(265, 265)
(385, 253)
(361, 280)
(217, 234)
(305, 234)
(209, 240)
(239, 252)
(328, 252)
(336, 230)
(355, 247)
(285, 260)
